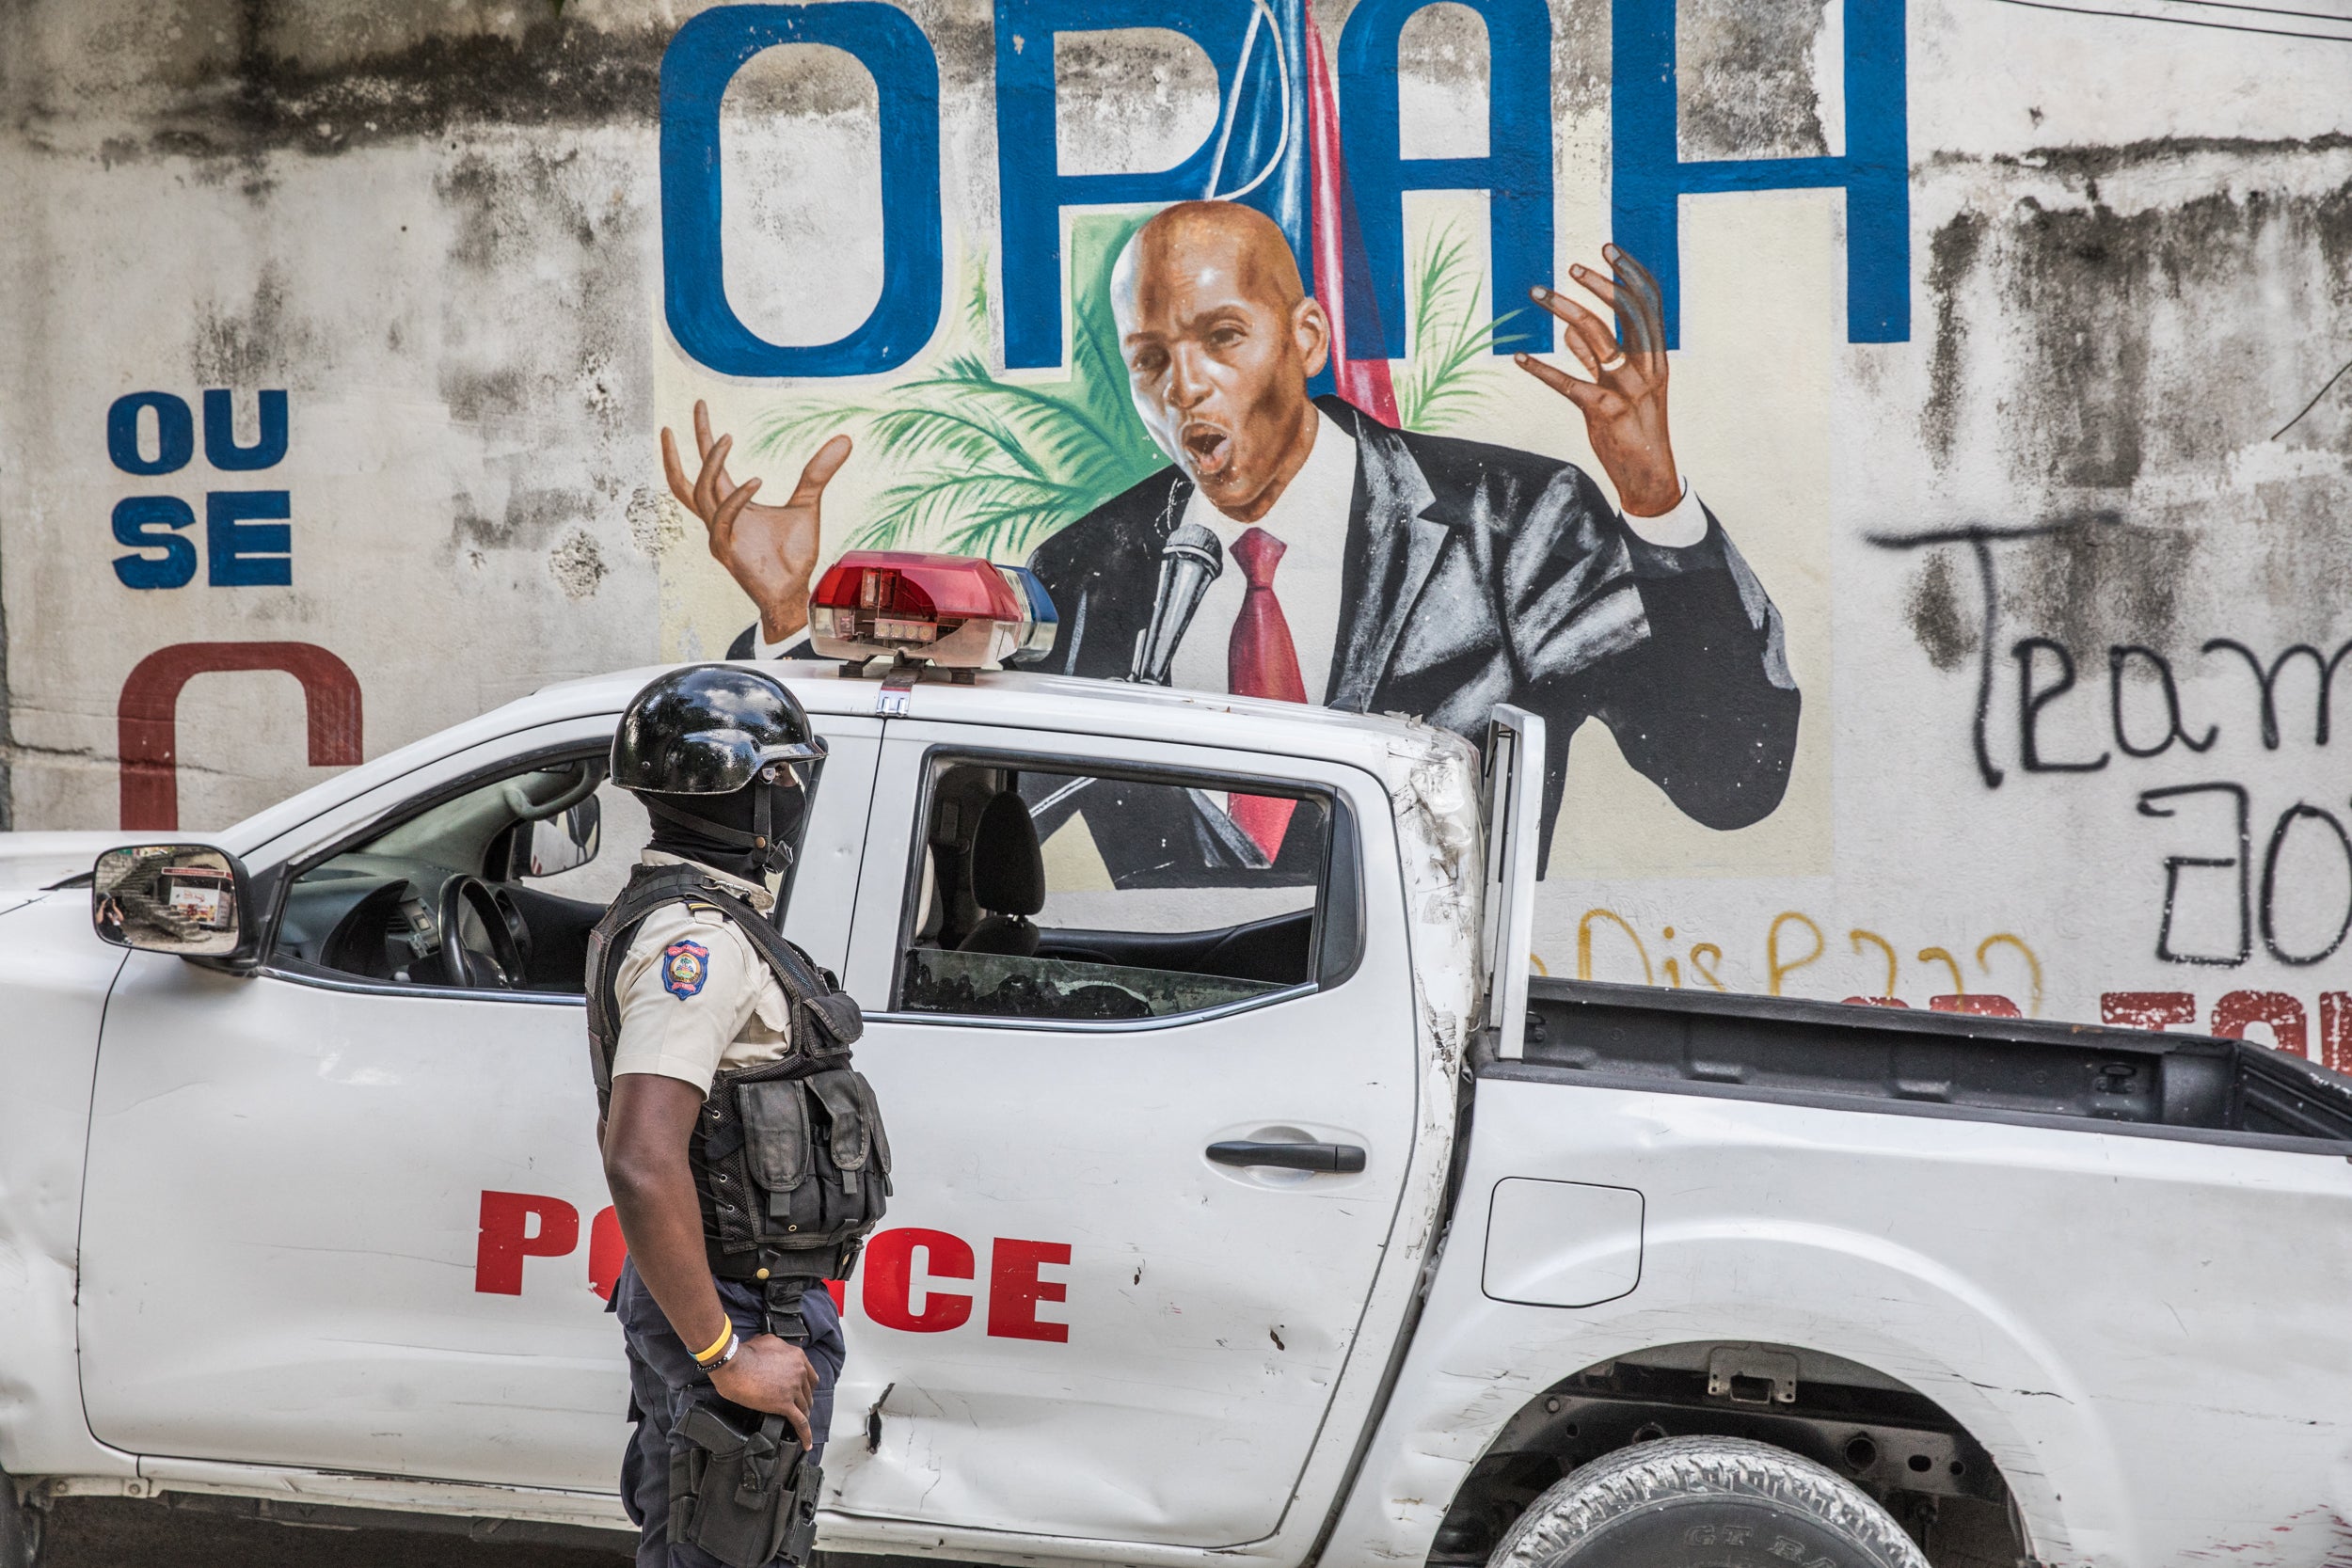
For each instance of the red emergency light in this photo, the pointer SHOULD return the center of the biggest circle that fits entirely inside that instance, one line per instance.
(955, 611)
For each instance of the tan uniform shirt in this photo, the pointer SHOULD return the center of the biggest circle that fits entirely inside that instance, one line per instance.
(694, 994)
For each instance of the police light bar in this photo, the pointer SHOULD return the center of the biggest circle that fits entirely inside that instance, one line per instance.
(958, 612)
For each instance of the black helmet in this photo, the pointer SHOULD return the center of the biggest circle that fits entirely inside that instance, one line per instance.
(718, 730)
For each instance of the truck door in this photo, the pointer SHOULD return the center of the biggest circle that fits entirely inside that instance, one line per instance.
(1141, 1021)
(345, 1215)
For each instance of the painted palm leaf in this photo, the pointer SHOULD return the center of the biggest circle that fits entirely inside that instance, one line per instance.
(991, 467)
(1448, 379)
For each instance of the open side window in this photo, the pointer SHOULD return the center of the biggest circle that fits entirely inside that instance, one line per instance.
(514, 868)
(1063, 889)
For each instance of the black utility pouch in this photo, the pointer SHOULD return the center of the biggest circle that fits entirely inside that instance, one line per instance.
(749, 1498)
(781, 1148)
(815, 1150)
(855, 1148)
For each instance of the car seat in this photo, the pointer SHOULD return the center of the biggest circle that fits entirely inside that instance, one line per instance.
(1008, 880)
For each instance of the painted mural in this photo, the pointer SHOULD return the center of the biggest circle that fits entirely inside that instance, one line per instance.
(1902, 448)
(1429, 576)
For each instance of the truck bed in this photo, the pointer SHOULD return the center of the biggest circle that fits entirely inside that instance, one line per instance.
(1905, 1062)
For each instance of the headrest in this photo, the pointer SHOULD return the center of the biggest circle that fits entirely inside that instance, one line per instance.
(1008, 869)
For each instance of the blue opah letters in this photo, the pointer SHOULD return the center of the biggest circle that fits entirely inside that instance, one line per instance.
(1515, 173)
(1256, 154)
(1032, 193)
(701, 60)
(1649, 177)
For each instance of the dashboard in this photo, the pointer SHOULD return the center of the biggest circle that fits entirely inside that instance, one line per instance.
(386, 918)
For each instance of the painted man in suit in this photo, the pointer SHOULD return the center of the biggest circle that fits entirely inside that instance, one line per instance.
(1376, 569)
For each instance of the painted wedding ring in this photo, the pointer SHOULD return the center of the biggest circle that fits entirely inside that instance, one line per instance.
(1615, 362)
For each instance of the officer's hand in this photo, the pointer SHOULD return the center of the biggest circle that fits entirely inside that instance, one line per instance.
(769, 1375)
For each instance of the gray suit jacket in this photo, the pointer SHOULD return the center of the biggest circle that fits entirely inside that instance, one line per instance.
(1478, 575)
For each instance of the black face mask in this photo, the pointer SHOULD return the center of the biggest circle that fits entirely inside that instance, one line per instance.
(720, 831)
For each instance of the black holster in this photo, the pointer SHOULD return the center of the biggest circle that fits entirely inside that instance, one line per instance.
(747, 1497)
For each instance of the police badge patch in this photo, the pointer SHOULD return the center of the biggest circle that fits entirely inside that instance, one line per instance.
(685, 965)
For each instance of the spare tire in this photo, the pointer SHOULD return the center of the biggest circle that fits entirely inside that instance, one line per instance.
(1705, 1502)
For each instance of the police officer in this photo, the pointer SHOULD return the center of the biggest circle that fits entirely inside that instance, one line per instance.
(709, 1034)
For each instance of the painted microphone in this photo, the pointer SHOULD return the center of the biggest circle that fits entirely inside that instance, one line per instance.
(1190, 561)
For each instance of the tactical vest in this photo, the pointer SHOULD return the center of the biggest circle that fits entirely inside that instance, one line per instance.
(790, 1161)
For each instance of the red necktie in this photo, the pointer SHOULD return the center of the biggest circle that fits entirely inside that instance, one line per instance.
(1261, 661)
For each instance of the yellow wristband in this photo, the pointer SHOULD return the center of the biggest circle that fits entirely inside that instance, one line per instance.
(705, 1358)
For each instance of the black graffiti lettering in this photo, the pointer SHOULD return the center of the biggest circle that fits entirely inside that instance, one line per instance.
(2301, 811)
(1992, 594)
(2267, 679)
(2032, 702)
(2119, 657)
(1980, 538)
(2175, 865)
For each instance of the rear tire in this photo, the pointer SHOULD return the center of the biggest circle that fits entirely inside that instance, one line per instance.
(1705, 1502)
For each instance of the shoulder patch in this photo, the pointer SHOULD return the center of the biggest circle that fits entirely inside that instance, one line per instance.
(685, 966)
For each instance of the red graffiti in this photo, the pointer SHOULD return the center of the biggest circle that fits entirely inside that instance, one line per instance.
(889, 1292)
(2281, 1012)
(1984, 1004)
(1014, 1290)
(146, 715)
(2147, 1009)
(2236, 1012)
(507, 1238)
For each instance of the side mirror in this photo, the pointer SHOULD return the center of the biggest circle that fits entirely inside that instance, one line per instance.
(187, 899)
(567, 841)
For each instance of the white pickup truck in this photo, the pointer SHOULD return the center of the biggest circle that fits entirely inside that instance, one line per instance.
(1239, 1219)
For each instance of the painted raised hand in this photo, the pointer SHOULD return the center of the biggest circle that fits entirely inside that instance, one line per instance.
(1624, 404)
(770, 551)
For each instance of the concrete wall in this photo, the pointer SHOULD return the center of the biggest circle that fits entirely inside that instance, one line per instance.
(2125, 263)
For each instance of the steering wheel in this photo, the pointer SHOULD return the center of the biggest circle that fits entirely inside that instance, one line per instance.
(501, 968)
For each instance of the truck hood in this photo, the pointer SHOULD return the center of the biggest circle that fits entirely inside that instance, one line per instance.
(31, 862)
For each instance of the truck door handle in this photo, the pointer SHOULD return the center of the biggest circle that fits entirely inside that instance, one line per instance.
(1340, 1157)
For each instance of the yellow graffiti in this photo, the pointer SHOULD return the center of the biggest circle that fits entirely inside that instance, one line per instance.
(1584, 944)
(1860, 936)
(1938, 956)
(1540, 966)
(2033, 964)
(1777, 970)
(1701, 964)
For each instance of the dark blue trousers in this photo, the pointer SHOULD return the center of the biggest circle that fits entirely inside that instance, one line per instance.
(662, 1369)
